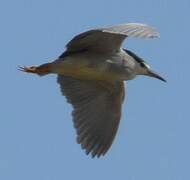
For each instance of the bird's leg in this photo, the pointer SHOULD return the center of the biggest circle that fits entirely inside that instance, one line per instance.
(40, 70)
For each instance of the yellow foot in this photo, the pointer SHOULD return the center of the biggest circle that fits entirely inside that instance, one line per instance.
(40, 70)
(32, 69)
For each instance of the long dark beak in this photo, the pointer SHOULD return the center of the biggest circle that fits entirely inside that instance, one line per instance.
(155, 75)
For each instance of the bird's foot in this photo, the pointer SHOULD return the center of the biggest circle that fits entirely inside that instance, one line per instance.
(32, 69)
(40, 70)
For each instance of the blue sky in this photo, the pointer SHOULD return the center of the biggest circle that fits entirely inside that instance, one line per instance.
(37, 138)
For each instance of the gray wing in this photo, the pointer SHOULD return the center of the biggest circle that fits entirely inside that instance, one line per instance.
(111, 38)
(96, 114)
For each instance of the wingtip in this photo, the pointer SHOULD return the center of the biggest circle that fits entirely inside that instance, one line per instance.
(155, 35)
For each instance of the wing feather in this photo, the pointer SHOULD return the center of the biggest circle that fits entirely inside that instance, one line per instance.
(97, 110)
(110, 38)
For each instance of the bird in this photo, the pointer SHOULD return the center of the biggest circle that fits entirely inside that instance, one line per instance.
(91, 73)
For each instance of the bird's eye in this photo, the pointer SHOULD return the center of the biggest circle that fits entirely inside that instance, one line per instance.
(142, 64)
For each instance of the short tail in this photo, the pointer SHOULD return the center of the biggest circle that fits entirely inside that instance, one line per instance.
(41, 70)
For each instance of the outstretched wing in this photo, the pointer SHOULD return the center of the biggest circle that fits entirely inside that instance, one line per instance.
(111, 38)
(97, 111)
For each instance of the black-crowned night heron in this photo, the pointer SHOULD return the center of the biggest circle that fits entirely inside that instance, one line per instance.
(91, 73)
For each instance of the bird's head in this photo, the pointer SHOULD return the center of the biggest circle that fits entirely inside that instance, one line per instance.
(142, 68)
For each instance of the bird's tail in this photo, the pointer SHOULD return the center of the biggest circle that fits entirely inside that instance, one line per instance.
(41, 70)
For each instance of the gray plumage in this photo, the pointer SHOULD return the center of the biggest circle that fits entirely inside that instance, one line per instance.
(97, 111)
(91, 74)
(96, 106)
(111, 38)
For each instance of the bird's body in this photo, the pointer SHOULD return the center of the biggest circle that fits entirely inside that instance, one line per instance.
(96, 66)
(91, 73)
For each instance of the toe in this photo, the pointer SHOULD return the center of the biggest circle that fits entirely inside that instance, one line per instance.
(31, 69)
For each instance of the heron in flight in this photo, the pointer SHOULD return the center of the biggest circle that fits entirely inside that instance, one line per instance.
(91, 74)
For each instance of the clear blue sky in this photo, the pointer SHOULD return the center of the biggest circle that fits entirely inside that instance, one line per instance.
(37, 138)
